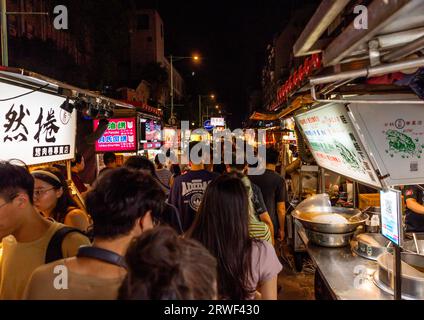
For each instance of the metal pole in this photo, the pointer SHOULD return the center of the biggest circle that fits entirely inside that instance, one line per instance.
(4, 47)
(368, 72)
(397, 273)
(172, 86)
(200, 110)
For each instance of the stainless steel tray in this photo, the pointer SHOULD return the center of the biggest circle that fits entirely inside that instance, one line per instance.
(370, 245)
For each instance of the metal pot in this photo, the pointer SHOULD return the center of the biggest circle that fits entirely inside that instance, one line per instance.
(330, 240)
(354, 216)
(371, 245)
(412, 278)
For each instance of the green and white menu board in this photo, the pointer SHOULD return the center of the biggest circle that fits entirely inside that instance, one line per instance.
(391, 215)
(394, 134)
(335, 144)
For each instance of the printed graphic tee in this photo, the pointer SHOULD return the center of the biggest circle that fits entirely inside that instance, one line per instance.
(187, 194)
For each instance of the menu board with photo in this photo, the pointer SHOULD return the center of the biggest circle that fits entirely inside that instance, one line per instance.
(34, 128)
(335, 144)
(120, 136)
(395, 136)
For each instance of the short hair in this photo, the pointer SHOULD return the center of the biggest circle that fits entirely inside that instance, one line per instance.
(193, 144)
(15, 179)
(109, 157)
(164, 266)
(272, 155)
(140, 163)
(77, 160)
(119, 198)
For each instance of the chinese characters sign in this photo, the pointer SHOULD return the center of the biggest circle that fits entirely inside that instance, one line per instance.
(120, 136)
(335, 144)
(34, 128)
(395, 136)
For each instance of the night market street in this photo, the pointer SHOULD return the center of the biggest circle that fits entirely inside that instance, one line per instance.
(212, 159)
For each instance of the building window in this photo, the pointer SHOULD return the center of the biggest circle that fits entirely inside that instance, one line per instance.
(161, 31)
(149, 39)
(143, 22)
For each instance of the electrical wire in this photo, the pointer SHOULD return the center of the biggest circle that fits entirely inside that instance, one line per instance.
(25, 94)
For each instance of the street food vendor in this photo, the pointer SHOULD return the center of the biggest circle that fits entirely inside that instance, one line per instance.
(414, 199)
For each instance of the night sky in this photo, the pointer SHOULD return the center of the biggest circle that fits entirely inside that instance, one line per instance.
(232, 37)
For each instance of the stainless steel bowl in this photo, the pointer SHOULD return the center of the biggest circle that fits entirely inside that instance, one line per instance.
(354, 216)
(330, 240)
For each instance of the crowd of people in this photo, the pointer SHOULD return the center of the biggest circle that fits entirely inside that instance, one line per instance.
(146, 232)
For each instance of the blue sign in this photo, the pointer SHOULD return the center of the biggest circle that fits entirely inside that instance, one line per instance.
(207, 125)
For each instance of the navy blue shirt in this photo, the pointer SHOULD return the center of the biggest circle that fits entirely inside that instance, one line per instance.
(187, 193)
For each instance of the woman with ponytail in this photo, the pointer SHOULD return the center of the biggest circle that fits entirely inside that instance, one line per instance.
(52, 197)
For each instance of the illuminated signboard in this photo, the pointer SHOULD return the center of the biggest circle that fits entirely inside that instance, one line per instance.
(33, 128)
(218, 122)
(335, 144)
(150, 134)
(120, 136)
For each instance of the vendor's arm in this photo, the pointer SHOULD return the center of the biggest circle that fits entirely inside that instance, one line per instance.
(411, 194)
(414, 206)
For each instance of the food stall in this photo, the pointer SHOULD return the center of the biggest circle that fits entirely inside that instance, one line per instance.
(39, 119)
(365, 126)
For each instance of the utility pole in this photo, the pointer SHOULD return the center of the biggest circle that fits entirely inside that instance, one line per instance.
(4, 48)
(200, 111)
(172, 87)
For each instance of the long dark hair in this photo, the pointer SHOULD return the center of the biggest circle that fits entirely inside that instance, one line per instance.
(222, 226)
(65, 202)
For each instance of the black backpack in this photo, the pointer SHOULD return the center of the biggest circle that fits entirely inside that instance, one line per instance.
(54, 249)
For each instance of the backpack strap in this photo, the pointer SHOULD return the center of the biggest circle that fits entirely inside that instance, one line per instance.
(54, 249)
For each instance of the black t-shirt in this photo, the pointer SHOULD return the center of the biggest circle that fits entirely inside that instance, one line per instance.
(273, 189)
(414, 221)
(187, 193)
(258, 201)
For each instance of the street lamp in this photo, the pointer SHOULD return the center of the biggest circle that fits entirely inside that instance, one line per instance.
(172, 60)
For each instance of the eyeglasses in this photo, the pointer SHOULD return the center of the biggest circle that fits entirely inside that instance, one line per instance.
(40, 192)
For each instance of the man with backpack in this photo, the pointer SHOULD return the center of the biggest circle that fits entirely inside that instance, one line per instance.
(123, 204)
(28, 239)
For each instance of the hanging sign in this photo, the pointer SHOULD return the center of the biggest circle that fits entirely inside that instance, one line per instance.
(395, 136)
(33, 128)
(335, 144)
(120, 136)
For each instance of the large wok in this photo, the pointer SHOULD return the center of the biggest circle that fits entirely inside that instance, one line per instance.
(354, 216)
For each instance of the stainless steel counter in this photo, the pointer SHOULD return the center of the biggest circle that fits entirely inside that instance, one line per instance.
(347, 276)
